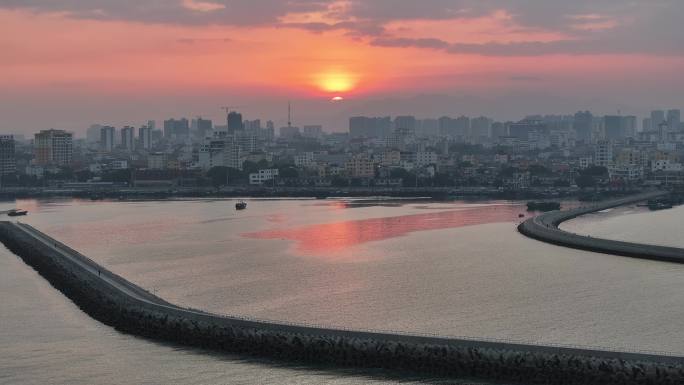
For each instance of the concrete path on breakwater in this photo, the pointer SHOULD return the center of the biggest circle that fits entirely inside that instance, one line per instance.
(544, 227)
(141, 298)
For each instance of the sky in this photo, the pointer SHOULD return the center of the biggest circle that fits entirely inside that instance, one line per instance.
(71, 63)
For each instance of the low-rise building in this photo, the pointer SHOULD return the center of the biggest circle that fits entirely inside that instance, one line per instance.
(263, 176)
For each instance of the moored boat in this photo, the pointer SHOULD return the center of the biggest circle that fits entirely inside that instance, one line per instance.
(16, 212)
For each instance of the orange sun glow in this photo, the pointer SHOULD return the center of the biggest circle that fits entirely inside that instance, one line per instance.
(336, 81)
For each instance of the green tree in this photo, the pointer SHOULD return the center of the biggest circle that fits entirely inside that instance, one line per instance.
(218, 176)
(585, 181)
(338, 181)
(288, 172)
(117, 176)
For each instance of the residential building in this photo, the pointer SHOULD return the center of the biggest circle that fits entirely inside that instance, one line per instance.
(53, 147)
(673, 120)
(107, 138)
(145, 137)
(603, 153)
(8, 161)
(128, 138)
(360, 166)
(156, 161)
(312, 131)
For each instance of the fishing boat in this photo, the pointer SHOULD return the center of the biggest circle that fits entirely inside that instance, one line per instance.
(16, 212)
(241, 205)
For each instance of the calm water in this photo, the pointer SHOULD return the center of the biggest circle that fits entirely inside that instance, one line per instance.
(446, 268)
(633, 224)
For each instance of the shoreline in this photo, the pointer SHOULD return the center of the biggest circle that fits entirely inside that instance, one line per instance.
(438, 193)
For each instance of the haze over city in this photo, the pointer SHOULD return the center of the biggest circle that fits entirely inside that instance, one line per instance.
(125, 62)
(342, 192)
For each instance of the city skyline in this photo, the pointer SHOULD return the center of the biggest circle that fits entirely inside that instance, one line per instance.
(150, 60)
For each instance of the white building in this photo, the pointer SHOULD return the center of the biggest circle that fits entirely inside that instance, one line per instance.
(585, 162)
(121, 164)
(219, 152)
(603, 154)
(425, 158)
(626, 172)
(263, 176)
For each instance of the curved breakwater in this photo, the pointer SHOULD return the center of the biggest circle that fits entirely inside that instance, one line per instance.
(544, 227)
(123, 305)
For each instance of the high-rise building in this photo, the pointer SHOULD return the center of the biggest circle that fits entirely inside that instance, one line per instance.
(405, 126)
(107, 138)
(365, 127)
(583, 124)
(289, 132)
(128, 138)
(252, 125)
(177, 129)
(646, 125)
(524, 129)
(93, 134)
(234, 122)
(53, 147)
(612, 126)
(498, 130)
(462, 127)
(426, 128)
(8, 161)
(673, 120)
(145, 137)
(629, 126)
(446, 126)
(312, 131)
(204, 127)
(152, 124)
(480, 127)
(267, 134)
(657, 117)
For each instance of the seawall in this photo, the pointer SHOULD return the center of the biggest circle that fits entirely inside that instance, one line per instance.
(544, 227)
(125, 306)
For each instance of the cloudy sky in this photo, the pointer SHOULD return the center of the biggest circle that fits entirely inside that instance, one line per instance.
(70, 63)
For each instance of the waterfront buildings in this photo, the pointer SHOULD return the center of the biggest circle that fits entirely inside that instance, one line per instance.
(53, 147)
(8, 161)
(263, 176)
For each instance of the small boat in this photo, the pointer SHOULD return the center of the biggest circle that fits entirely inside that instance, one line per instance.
(659, 204)
(241, 205)
(16, 212)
